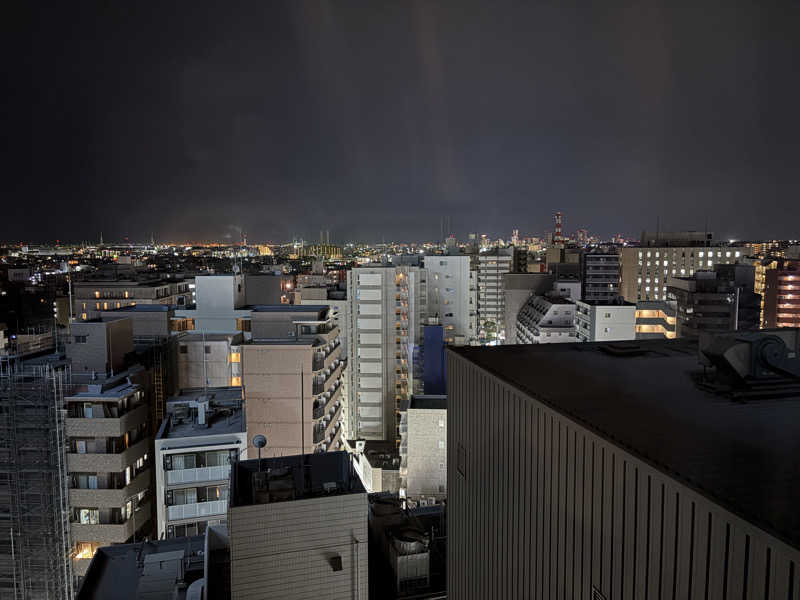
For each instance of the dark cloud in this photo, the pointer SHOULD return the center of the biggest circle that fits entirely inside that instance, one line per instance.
(375, 119)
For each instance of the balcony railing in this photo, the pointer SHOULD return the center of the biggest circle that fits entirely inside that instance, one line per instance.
(217, 473)
(197, 509)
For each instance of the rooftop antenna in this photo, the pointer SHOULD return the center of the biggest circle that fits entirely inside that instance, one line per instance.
(259, 442)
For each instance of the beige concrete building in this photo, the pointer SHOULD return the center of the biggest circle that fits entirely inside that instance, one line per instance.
(423, 448)
(644, 270)
(292, 374)
(298, 529)
(107, 460)
(92, 297)
(209, 360)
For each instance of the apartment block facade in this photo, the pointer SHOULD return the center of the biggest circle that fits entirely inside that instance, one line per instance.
(423, 449)
(782, 295)
(203, 434)
(603, 321)
(389, 305)
(644, 270)
(292, 376)
(109, 464)
(493, 265)
(92, 297)
(453, 297)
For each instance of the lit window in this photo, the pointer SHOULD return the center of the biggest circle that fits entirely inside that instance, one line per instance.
(441, 422)
(83, 316)
(441, 444)
(236, 381)
(236, 357)
(105, 305)
(96, 294)
(126, 293)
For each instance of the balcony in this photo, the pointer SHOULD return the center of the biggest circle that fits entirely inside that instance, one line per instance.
(106, 463)
(197, 509)
(110, 498)
(320, 384)
(106, 427)
(323, 408)
(112, 533)
(203, 474)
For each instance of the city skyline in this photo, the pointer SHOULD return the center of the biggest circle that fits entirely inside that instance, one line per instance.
(185, 124)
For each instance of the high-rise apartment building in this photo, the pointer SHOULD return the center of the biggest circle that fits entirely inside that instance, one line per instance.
(600, 275)
(453, 297)
(292, 372)
(644, 270)
(718, 300)
(389, 308)
(620, 487)
(298, 528)
(492, 266)
(202, 435)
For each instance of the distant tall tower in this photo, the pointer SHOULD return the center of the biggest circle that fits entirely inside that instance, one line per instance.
(101, 238)
(152, 239)
(515, 237)
(558, 238)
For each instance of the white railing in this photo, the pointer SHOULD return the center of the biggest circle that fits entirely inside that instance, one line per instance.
(199, 474)
(198, 509)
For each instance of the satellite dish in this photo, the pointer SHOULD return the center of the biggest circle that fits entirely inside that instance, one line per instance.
(259, 442)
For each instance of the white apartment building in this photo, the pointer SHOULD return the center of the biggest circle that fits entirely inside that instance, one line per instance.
(492, 266)
(453, 297)
(423, 448)
(546, 320)
(203, 434)
(388, 309)
(600, 321)
(644, 271)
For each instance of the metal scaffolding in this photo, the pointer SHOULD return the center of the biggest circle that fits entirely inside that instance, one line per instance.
(35, 542)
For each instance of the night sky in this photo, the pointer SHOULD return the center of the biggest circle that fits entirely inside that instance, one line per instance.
(375, 119)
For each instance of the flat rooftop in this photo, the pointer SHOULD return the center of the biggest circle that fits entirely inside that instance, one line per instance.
(428, 402)
(743, 456)
(220, 422)
(304, 475)
(143, 570)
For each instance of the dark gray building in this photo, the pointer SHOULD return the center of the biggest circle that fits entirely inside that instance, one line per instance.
(625, 470)
(714, 301)
(600, 275)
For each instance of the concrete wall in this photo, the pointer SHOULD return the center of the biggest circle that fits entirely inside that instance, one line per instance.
(143, 323)
(105, 348)
(219, 293)
(276, 405)
(539, 507)
(427, 452)
(195, 365)
(283, 550)
(262, 289)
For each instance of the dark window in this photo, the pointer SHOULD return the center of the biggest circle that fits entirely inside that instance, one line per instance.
(81, 339)
(208, 349)
(184, 349)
